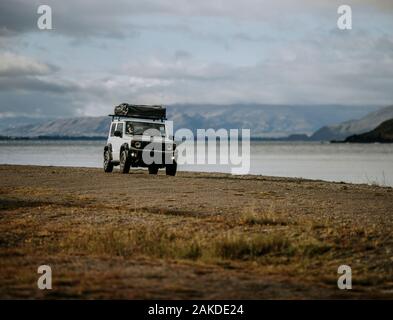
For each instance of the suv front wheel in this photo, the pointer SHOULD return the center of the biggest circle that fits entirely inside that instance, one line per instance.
(124, 162)
(108, 165)
(153, 169)
(170, 169)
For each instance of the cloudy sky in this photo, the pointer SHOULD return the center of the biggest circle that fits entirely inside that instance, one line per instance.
(101, 53)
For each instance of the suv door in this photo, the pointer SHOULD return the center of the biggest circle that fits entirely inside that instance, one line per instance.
(117, 142)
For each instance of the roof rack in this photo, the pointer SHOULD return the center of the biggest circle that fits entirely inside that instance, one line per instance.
(152, 112)
(116, 116)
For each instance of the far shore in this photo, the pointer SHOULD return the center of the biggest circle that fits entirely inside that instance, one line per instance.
(293, 138)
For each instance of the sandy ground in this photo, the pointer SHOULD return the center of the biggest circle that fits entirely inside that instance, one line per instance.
(193, 236)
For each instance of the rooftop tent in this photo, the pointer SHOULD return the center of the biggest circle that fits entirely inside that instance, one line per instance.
(140, 111)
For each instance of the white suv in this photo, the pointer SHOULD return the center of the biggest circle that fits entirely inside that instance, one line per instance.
(139, 142)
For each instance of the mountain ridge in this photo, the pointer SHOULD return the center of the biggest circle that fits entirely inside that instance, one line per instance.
(358, 126)
(382, 134)
(265, 121)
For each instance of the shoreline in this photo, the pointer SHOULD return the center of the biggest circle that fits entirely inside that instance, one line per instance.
(212, 173)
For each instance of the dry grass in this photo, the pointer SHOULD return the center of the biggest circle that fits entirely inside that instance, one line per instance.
(251, 248)
(186, 245)
(269, 217)
(155, 243)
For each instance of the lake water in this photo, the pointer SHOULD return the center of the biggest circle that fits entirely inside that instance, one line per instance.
(356, 163)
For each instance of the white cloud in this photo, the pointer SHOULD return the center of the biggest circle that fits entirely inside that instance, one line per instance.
(16, 65)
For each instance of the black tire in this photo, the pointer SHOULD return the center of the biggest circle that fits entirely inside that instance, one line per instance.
(124, 162)
(170, 169)
(153, 169)
(108, 165)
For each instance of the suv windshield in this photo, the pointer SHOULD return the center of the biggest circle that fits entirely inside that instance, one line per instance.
(145, 128)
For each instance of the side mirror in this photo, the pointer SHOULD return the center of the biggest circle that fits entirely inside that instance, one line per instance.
(118, 133)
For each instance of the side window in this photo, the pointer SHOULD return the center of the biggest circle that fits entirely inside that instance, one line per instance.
(113, 128)
(129, 128)
(120, 127)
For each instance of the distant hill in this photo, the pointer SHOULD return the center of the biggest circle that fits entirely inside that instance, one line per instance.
(265, 121)
(8, 123)
(68, 127)
(348, 128)
(383, 133)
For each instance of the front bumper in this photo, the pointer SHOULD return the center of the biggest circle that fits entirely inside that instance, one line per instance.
(144, 158)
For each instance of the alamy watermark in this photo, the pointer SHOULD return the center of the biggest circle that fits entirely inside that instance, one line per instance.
(44, 282)
(344, 281)
(344, 21)
(44, 21)
(230, 147)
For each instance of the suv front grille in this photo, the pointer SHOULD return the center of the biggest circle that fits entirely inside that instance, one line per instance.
(159, 146)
